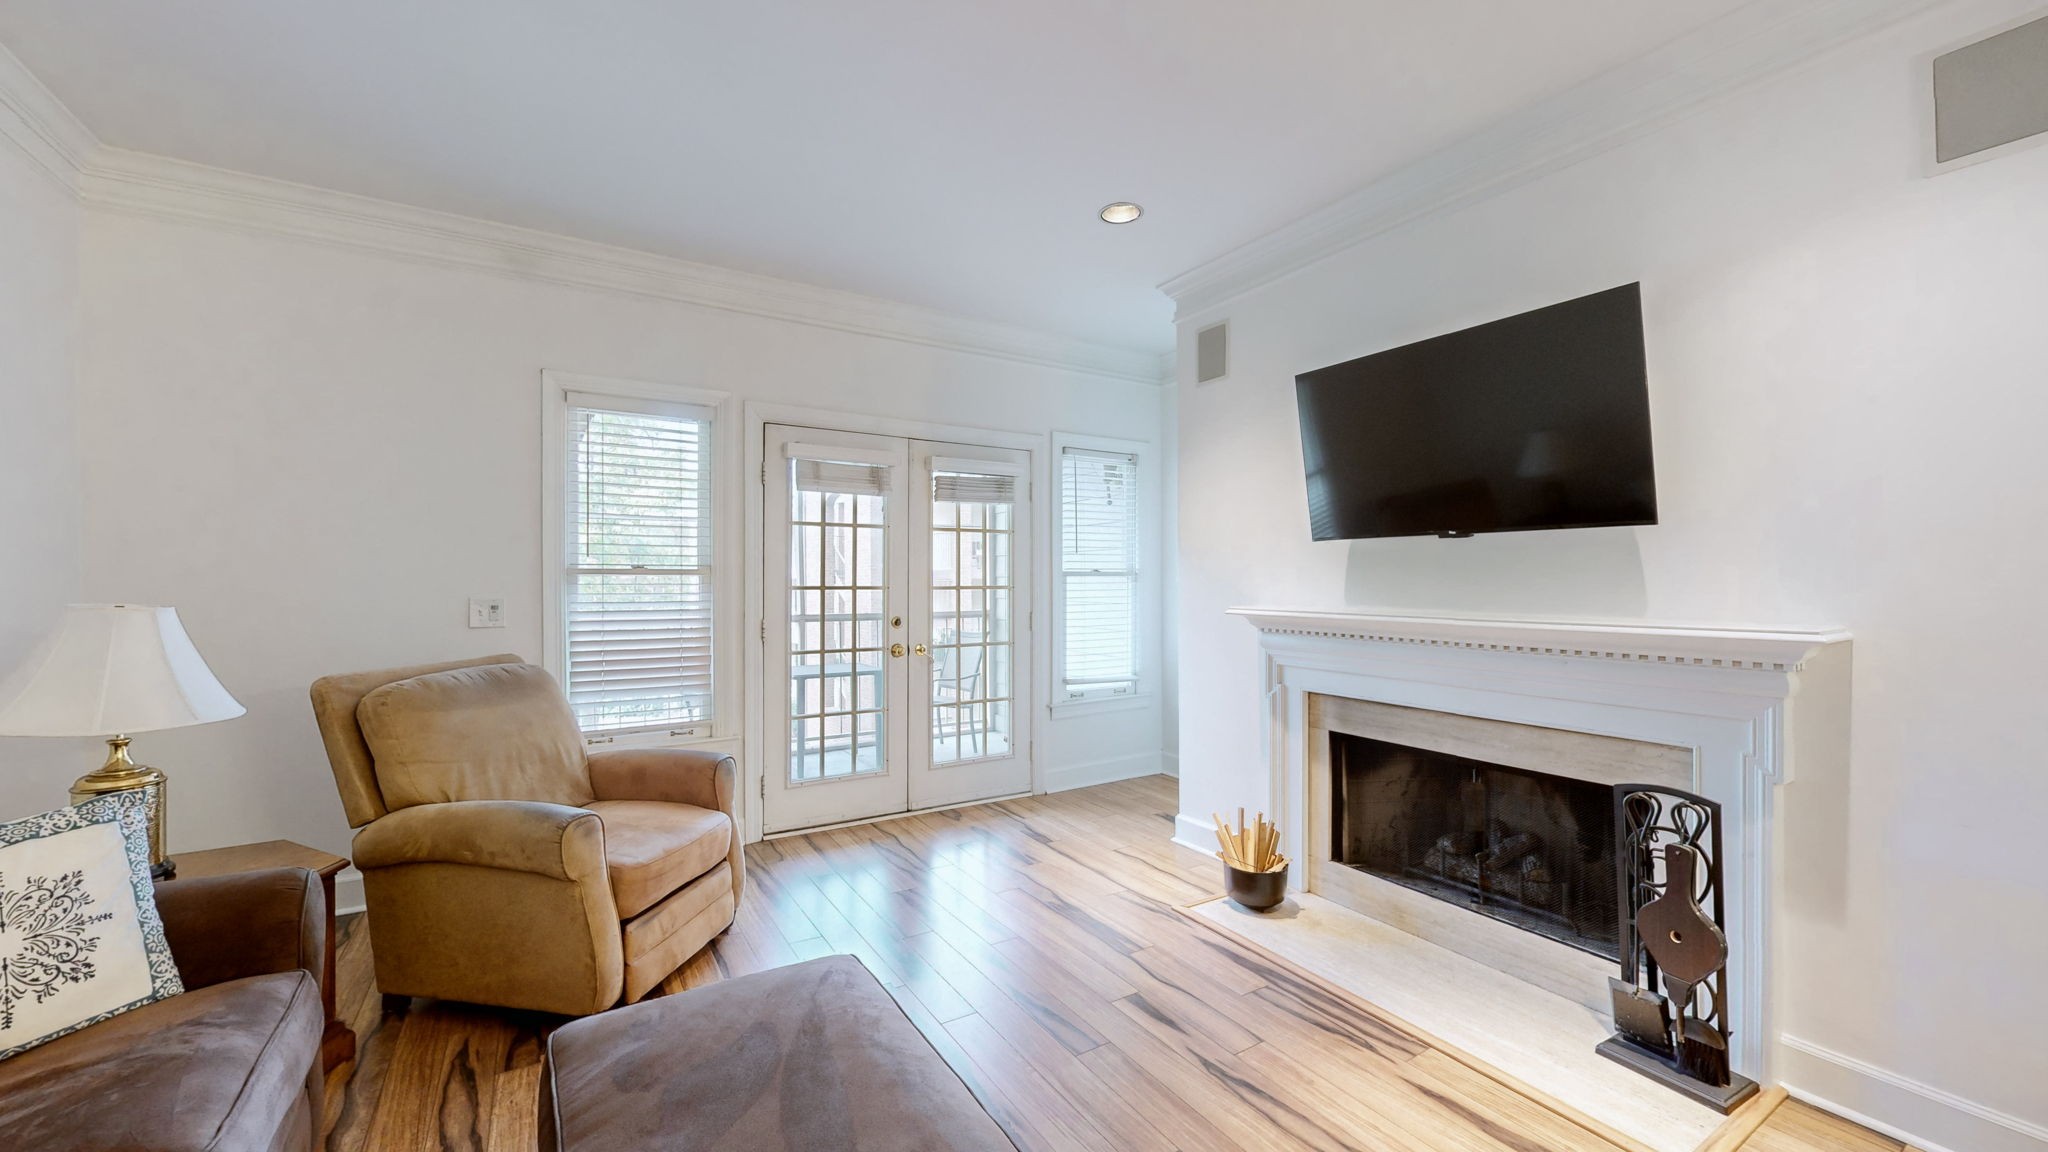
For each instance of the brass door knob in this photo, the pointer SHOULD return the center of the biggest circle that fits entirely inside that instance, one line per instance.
(921, 650)
(896, 650)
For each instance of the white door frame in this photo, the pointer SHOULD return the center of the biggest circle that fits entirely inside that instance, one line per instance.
(760, 414)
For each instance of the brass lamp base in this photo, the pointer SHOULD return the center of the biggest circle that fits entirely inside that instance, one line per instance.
(120, 774)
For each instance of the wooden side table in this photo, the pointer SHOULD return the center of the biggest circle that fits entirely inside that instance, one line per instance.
(337, 1044)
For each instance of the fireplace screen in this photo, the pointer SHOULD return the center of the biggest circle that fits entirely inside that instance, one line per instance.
(1527, 848)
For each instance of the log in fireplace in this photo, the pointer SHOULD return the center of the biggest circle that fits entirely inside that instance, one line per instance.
(1528, 848)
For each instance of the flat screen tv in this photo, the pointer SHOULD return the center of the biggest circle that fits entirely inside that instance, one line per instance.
(1540, 420)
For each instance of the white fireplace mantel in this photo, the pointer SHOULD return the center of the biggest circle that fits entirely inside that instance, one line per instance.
(1748, 703)
(1744, 648)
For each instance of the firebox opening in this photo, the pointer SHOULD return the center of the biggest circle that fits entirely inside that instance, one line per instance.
(1527, 848)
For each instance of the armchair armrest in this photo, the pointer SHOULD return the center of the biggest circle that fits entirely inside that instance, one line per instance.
(554, 840)
(223, 928)
(673, 775)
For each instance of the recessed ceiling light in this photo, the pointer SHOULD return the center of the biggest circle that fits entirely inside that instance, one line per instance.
(1121, 212)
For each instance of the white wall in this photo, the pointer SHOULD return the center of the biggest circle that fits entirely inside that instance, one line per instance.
(318, 453)
(39, 467)
(1849, 383)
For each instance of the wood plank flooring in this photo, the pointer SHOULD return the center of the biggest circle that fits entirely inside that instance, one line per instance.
(1035, 943)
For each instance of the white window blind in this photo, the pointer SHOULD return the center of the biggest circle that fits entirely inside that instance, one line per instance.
(638, 593)
(969, 488)
(1098, 573)
(841, 477)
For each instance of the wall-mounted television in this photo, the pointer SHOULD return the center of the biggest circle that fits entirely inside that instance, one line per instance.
(1540, 420)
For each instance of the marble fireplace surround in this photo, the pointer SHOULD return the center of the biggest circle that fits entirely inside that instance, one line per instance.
(1743, 706)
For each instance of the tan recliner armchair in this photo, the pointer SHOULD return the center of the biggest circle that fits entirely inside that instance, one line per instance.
(504, 865)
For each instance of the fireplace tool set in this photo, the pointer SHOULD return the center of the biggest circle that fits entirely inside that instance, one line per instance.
(1671, 1000)
(1254, 869)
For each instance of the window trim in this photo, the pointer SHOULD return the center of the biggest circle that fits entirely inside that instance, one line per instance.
(1060, 703)
(558, 391)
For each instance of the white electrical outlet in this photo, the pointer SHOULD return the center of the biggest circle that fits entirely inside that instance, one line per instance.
(486, 612)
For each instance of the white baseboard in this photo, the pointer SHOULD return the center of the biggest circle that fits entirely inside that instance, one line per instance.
(348, 892)
(1194, 832)
(884, 818)
(1101, 771)
(1169, 763)
(1923, 1116)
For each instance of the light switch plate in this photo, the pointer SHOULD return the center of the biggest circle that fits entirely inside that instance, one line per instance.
(486, 612)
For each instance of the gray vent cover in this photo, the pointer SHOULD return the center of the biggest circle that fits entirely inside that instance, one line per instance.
(1992, 92)
(1212, 353)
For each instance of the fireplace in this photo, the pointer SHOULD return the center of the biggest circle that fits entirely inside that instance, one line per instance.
(1492, 838)
(1530, 849)
(1708, 711)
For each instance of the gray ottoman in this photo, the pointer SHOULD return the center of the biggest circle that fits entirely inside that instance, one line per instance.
(815, 1057)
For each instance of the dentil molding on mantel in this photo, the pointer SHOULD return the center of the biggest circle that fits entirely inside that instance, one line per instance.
(1773, 650)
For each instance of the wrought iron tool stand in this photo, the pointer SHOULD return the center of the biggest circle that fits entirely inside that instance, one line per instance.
(1671, 1000)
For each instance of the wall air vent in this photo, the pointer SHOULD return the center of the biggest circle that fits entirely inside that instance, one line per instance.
(1212, 352)
(1991, 93)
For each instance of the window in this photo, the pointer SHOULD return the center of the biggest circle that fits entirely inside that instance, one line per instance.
(636, 596)
(1097, 643)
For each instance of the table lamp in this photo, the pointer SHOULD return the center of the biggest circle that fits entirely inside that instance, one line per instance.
(108, 670)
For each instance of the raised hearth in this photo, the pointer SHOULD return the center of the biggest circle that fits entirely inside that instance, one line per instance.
(1450, 777)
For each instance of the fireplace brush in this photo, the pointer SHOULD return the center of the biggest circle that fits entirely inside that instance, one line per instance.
(1253, 847)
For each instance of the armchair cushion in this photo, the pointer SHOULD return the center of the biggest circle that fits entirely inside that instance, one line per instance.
(655, 848)
(679, 776)
(231, 1063)
(220, 1067)
(492, 732)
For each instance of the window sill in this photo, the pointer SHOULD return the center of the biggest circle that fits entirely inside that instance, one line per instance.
(657, 739)
(1068, 709)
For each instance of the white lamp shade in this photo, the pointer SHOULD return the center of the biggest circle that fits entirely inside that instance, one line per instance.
(112, 669)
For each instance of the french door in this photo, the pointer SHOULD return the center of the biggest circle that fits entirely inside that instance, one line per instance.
(897, 625)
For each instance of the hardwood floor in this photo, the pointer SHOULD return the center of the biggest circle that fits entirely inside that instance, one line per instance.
(1035, 943)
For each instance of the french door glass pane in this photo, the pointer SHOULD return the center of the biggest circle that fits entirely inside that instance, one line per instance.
(970, 614)
(838, 580)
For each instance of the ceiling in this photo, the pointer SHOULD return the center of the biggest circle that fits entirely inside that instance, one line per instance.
(945, 153)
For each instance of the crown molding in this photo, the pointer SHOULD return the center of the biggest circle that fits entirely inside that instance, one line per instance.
(1750, 44)
(62, 148)
(159, 187)
(37, 124)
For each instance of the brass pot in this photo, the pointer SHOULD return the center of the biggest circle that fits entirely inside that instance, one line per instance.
(1257, 891)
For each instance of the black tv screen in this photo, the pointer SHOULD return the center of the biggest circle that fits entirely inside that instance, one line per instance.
(1537, 421)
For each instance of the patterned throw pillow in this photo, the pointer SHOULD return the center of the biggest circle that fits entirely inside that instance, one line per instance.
(79, 936)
